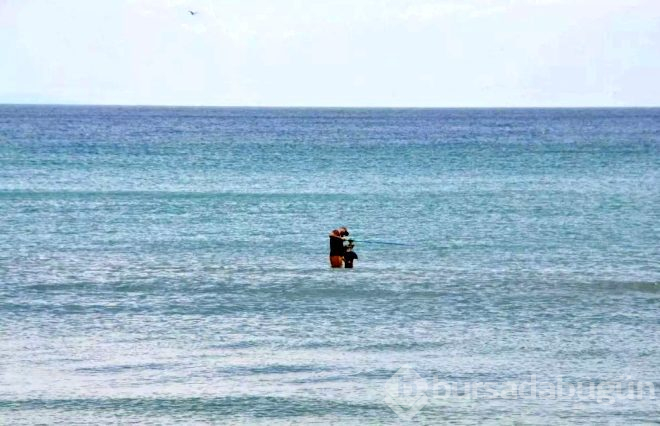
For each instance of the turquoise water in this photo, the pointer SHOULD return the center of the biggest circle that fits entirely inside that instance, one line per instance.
(170, 264)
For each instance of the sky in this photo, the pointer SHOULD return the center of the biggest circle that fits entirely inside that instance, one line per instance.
(354, 53)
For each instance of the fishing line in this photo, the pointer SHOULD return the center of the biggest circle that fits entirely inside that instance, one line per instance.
(382, 242)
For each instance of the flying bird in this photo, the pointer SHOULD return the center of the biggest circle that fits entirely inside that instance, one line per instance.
(192, 13)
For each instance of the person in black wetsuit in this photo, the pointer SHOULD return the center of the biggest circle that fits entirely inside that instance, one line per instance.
(337, 237)
(349, 255)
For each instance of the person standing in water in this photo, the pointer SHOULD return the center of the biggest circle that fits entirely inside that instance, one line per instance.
(337, 237)
(349, 255)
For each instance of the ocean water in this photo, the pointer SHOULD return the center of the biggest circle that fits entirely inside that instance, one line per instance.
(162, 265)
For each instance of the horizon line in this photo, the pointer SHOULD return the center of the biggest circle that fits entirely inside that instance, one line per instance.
(72, 104)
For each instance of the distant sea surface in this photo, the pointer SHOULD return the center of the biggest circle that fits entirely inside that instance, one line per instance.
(163, 265)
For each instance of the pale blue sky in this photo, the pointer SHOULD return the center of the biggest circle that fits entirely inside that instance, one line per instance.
(468, 53)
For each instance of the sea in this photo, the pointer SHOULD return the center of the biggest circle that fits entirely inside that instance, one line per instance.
(164, 265)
